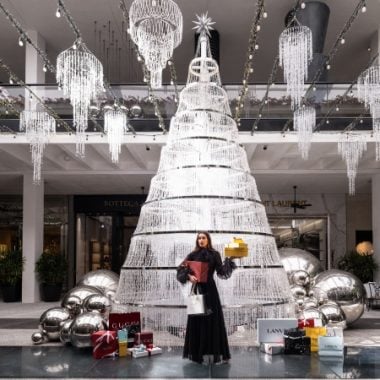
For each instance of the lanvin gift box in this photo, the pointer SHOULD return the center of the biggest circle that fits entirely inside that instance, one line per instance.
(271, 330)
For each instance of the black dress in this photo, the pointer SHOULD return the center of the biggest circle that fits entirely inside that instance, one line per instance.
(206, 334)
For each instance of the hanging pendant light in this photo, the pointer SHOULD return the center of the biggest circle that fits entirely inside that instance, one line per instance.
(115, 126)
(304, 123)
(295, 54)
(156, 28)
(80, 75)
(38, 127)
(351, 147)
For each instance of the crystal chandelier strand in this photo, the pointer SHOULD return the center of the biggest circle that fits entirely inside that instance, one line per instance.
(376, 135)
(38, 127)
(295, 54)
(115, 126)
(80, 75)
(304, 123)
(156, 29)
(352, 147)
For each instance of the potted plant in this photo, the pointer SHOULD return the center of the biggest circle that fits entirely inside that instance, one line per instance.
(11, 267)
(362, 267)
(51, 269)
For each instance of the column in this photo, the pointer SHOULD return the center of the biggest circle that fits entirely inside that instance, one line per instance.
(376, 222)
(33, 62)
(32, 236)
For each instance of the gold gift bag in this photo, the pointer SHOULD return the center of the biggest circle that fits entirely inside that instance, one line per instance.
(314, 333)
(236, 249)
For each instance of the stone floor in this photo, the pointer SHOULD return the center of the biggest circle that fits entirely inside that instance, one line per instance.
(20, 359)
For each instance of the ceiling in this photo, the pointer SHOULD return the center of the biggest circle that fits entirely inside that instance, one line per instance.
(276, 168)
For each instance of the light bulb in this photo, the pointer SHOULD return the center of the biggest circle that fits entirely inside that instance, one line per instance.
(58, 13)
(314, 88)
(265, 14)
(11, 80)
(327, 121)
(257, 47)
(328, 66)
(303, 5)
(44, 69)
(337, 108)
(251, 70)
(250, 56)
(20, 41)
(266, 101)
(258, 27)
(342, 41)
(364, 8)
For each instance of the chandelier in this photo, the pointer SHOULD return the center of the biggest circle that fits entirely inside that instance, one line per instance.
(369, 93)
(156, 28)
(115, 126)
(295, 54)
(351, 147)
(304, 123)
(80, 75)
(38, 127)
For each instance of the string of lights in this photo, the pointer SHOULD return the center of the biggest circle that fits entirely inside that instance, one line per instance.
(253, 46)
(33, 95)
(23, 37)
(338, 102)
(69, 18)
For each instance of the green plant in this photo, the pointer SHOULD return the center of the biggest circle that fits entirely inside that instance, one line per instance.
(11, 267)
(362, 267)
(51, 268)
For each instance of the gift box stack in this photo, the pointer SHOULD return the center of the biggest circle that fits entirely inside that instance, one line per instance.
(124, 338)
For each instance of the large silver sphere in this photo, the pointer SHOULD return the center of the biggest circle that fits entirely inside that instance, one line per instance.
(65, 332)
(333, 313)
(105, 280)
(99, 303)
(300, 266)
(38, 337)
(81, 292)
(344, 288)
(83, 326)
(313, 313)
(51, 321)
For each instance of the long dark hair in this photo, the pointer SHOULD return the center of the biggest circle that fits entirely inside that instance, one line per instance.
(209, 242)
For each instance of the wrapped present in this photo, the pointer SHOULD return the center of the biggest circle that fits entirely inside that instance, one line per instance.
(272, 348)
(154, 350)
(330, 346)
(299, 345)
(139, 351)
(199, 269)
(122, 336)
(236, 249)
(104, 344)
(130, 321)
(144, 337)
(314, 333)
(271, 330)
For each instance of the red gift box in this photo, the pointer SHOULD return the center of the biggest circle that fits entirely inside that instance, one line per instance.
(199, 269)
(130, 321)
(145, 337)
(104, 343)
(302, 323)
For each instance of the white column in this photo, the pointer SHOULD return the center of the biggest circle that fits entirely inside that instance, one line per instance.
(33, 195)
(32, 236)
(376, 222)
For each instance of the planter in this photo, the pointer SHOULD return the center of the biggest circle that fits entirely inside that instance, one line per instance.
(11, 293)
(50, 292)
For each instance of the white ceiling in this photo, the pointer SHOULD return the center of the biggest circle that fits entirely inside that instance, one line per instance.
(276, 169)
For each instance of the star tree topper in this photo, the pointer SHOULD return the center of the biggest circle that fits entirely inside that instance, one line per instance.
(203, 24)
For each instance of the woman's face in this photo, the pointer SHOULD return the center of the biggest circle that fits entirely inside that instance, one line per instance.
(202, 240)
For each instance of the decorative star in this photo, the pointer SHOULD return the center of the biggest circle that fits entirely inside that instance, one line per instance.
(203, 24)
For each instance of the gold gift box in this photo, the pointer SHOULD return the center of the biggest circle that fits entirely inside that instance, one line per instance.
(314, 333)
(236, 249)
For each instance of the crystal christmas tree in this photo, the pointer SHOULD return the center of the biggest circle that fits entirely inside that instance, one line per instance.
(203, 183)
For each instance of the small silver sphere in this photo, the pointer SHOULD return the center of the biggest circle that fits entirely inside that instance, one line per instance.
(83, 326)
(313, 313)
(51, 321)
(99, 303)
(38, 337)
(333, 313)
(300, 266)
(65, 332)
(73, 304)
(310, 302)
(344, 288)
(298, 291)
(103, 279)
(135, 111)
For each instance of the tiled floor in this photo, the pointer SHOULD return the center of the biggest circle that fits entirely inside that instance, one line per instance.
(20, 359)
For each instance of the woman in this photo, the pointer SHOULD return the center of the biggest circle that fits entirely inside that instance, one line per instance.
(206, 334)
